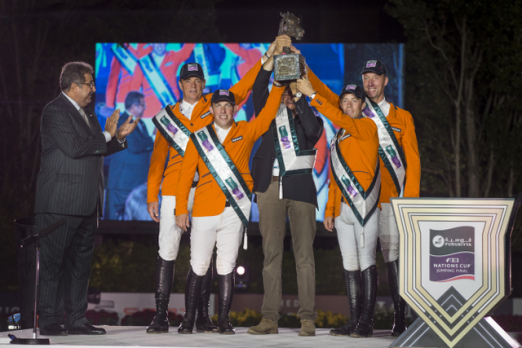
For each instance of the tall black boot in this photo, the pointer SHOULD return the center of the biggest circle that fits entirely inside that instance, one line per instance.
(164, 275)
(354, 291)
(399, 305)
(203, 321)
(192, 291)
(226, 294)
(369, 285)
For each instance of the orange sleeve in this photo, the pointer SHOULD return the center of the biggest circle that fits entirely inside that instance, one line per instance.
(322, 89)
(411, 152)
(243, 86)
(361, 128)
(157, 167)
(262, 122)
(330, 204)
(112, 83)
(186, 176)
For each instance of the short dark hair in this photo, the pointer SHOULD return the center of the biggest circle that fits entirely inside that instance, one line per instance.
(133, 98)
(74, 72)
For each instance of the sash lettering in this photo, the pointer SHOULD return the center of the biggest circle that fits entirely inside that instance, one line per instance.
(172, 129)
(292, 160)
(363, 203)
(389, 149)
(224, 172)
(157, 81)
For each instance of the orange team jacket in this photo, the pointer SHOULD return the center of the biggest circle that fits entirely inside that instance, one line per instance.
(401, 122)
(209, 200)
(200, 118)
(360, 150)
(169, 68)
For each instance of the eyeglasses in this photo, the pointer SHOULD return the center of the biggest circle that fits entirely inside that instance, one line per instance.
(91, 84)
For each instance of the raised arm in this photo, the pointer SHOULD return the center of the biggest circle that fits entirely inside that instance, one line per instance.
(262, 122)
(362, 128)
(312, 125)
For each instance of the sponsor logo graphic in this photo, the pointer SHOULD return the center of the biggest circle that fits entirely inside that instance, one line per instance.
(349, 87)
(223, 92)
(452, 254)
(205, 114)
(237, 139)
(371, 63)
(397, 129)
(192, 67)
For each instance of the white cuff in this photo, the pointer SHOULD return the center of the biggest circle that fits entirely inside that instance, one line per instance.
(107, 136)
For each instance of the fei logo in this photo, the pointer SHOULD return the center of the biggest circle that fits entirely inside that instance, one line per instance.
(452, 254)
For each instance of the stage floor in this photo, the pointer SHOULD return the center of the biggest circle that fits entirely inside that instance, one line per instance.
(135, 336)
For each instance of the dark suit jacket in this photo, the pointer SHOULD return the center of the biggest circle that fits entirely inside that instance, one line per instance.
(70, 180)
(129, 169)
(309, 129)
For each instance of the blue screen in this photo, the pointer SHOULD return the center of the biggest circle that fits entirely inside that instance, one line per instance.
(118, 71)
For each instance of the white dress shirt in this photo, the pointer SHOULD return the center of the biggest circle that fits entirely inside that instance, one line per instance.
(186, 108)
(385, 107)
(221, 133)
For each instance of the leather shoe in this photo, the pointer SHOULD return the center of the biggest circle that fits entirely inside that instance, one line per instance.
(85, 329)
(53, 330)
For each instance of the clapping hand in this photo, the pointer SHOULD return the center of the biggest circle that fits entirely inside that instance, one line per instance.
(111, 125)
(127, 128)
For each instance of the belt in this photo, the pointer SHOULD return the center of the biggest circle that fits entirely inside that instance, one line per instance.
(275, 178)
(195, 183)
(227, 204)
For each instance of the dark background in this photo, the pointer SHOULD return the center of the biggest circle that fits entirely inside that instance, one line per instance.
(463, 76)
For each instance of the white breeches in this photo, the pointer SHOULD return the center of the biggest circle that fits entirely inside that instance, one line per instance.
(169, 233)
(357, 244)
(224, 231)
(388, 234)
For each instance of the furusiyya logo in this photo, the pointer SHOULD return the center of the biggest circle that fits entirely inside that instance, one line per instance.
(452, 254)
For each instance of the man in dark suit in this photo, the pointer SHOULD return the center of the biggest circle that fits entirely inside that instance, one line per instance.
(129, 169)
(279, 196)
(70, 187)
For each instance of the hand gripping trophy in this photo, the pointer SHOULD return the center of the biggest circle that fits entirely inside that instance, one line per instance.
(289, 66)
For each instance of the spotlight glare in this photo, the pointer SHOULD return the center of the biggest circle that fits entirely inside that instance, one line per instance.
(240, 270)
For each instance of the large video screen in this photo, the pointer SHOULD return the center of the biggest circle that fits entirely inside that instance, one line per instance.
(120, 70)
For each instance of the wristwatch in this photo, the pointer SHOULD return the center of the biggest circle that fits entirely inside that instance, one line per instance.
(298, 95)
(312, 96)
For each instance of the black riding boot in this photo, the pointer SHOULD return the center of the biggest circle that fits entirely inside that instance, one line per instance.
(354, 291)
(192, 291)
(369, 285)
(226, 293)
(203, 321)
(164, 276)
(399, 305)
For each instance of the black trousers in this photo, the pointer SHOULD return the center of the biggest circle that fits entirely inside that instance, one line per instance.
(65, 269)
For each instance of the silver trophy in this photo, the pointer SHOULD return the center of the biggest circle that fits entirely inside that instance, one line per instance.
(289, 66)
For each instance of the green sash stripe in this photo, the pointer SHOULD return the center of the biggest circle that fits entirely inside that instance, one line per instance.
(232, 166)
(167, 136)
(382, 154)
(298, 151)
(347, 168)
(359, 188)
(390, 131)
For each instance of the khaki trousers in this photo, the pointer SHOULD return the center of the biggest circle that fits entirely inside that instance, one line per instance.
(272, 223)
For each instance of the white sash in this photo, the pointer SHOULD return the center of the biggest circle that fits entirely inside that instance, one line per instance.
(172, 129)
(292, 160)
(125, 58)
(363, 203)
(389, 149)
(157, 81)
(224, 172)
